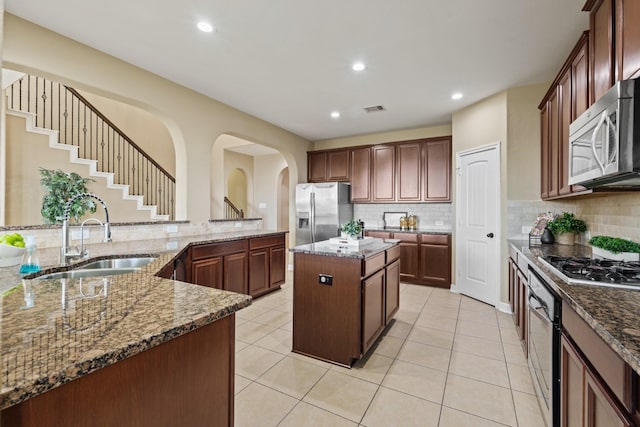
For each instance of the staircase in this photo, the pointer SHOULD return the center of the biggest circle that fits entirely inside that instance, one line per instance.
(74, 125)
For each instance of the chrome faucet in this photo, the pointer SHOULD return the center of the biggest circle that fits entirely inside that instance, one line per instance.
(66, 252)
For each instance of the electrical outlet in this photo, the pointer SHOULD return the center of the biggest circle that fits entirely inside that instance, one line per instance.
(172, 228)
(80, 234)
(439, 223)
(172, 245)
(237, 224)
(325, 279)
(262, 205)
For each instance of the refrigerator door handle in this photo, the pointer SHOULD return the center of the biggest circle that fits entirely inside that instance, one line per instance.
(312, 220)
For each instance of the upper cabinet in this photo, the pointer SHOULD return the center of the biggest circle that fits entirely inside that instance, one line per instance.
(411, 171)
(565, 100)
(331, 165)
(601, 46)
(627, 40)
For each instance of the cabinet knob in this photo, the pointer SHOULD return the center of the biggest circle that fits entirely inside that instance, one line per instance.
(490, 235)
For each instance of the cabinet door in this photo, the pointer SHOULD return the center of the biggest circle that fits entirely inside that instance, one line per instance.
(258, 271)
(544, 151)
(601, 48)
(207, 272)
(628, 38)
(522, 325)
(235, 273)
(580, 78)
(409, 172)
(554, 143)
(278, 266)
(600, 407)
(564, 119)
(384, 172)
(436, 171)
(409, 256)
(512, 285)
(392, 291)
(435, 264)
(360, 173)
(316, 167)
(571, 385)
(338, 165)
(373, 312)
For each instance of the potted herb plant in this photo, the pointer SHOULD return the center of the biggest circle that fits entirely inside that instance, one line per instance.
(59, 187)
(352, 228)
(615, 248)
(565, 226)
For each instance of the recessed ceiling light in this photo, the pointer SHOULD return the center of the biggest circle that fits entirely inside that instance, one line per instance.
(205, 27)
(358, 66)
(335, 114)
(456, 96)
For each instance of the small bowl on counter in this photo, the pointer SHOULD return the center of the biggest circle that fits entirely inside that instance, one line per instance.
(10, 255)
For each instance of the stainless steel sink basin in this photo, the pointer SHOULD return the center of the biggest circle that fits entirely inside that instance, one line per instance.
(117, 263)
(103, 267)
(74, 274)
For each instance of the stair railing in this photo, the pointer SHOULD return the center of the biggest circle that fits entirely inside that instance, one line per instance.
(61, 108)
(231, 211)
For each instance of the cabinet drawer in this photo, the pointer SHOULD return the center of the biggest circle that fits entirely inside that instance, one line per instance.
(216, 249)
(378, 234)
(372, 264)
(263, 242)
(435, 239)
(406, 237)
(613, 370)
(393, 254)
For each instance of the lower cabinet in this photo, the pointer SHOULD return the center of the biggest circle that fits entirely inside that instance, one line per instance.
(409, 257)
(518, 284)
(374, 317)
(392, 296)
(253, 266)
(596, 385)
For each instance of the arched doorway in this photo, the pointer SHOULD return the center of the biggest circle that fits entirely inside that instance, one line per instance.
(237, 189)
(283, 199)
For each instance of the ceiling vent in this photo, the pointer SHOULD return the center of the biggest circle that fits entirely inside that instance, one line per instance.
(374, 108)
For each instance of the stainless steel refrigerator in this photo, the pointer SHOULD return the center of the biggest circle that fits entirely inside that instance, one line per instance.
(321, 209)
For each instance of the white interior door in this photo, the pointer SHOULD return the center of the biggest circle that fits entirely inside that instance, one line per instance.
(478, 223)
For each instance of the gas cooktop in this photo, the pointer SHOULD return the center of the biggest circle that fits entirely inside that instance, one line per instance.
(594, 271)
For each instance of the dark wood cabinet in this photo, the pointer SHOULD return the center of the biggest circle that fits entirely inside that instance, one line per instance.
(435, 259)
(331, 165)
(601, 47)
(373, 308)
(627, 39)
(340, 320)
(409, 169)
(266, 264)
(360, 172)
(248, 266)
(378, 234)
(383, 173)
(409, 256)
(436, 170)
(566, 98)
(518, 283)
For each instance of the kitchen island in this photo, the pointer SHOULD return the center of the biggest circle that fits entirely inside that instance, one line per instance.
(130, 349)
(343, 297)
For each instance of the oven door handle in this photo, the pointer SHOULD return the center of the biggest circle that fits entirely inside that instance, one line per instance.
(541, 304)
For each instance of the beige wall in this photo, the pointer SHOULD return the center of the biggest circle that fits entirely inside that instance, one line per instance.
(231, 162)
(267, 169)
(193, 120)
(523, 148)
(144, 129)
(382, 137)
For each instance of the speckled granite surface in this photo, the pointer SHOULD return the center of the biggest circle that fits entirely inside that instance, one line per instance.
(54, 331)
(327, 248)
(612, 312)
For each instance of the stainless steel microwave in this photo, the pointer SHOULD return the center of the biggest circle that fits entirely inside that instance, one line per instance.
(604, 142)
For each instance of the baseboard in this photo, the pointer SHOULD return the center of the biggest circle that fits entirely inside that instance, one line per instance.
(454, 289)
(504, 307)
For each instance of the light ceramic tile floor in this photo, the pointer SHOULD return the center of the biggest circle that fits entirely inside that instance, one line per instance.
(447, 360)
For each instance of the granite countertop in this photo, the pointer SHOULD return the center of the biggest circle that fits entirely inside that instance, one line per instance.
(327, 248)
(611, 312)
(54, 331)
(425, 230)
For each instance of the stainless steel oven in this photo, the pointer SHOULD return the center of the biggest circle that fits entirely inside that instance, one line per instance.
(543, 309)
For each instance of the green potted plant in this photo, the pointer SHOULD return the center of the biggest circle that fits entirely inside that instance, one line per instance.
(615, 248)
(565, 226)
(59, 187)
(352, 228)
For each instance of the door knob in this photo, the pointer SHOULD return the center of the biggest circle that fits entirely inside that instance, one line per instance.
(490, 235)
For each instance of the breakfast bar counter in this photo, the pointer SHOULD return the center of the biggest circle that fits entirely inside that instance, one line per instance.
(154, 338)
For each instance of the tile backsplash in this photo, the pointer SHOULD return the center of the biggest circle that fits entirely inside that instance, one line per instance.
(609, 214)
(430, 215)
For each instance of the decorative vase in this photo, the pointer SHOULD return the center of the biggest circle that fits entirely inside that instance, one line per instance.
(547, 237)
(566, 239)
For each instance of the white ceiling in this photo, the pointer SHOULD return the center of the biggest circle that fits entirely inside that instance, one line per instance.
(289, 61)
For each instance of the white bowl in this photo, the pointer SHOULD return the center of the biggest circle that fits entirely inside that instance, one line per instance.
(10, 255)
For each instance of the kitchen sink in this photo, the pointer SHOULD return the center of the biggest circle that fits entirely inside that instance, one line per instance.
(103, 267)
